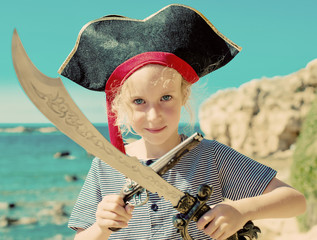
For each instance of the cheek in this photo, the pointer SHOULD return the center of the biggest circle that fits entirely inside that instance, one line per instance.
(137, 117)
(173, 112)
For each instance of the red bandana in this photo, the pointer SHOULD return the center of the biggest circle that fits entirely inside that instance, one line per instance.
(127, 68)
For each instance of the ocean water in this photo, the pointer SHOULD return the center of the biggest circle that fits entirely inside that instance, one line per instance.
(40, 187)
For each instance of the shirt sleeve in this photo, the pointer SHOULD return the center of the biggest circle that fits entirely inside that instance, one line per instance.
(240, 176)
(84, 211)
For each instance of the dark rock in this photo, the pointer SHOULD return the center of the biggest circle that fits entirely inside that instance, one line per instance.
(62, 154)
(71, 178)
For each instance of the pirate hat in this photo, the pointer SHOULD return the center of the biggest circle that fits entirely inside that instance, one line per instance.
(108, 50)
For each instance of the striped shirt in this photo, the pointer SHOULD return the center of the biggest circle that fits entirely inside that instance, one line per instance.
(232, 175)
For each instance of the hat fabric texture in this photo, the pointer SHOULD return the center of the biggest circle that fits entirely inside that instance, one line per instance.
(111, 48)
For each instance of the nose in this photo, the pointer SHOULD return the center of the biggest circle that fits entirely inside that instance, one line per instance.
(153, 113)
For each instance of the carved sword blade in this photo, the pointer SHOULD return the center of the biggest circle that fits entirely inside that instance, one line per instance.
(51, 97)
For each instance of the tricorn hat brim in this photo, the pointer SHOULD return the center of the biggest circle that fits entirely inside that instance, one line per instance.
(105, 43)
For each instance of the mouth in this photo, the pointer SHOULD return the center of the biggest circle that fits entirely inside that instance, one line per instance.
(155, 130)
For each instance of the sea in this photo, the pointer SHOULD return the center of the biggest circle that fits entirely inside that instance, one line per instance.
(38, 185)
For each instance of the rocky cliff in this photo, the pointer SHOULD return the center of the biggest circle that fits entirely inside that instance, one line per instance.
(261, 117)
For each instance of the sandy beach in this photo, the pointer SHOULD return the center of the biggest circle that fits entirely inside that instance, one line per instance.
(282, 229)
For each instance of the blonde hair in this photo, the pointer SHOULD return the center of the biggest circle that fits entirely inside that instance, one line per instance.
(123, 111)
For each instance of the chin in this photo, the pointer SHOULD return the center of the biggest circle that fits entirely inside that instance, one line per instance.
(159, 139)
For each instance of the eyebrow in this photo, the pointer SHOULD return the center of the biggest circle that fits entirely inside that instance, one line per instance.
(167, 92)
(136, 97)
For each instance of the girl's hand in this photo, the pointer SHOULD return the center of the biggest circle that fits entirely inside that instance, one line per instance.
(112, 212)
(221, 221)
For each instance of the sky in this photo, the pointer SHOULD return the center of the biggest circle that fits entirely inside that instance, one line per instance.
(278, 37)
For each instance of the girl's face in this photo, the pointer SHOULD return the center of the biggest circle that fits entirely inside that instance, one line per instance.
(155, 98)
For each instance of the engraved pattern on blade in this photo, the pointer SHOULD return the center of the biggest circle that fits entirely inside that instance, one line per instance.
(58, 106)
(51, 97)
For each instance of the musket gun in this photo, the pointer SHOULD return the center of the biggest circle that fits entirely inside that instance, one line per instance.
(131, 192)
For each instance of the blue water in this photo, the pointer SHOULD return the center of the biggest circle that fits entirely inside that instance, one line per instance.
(35, 181)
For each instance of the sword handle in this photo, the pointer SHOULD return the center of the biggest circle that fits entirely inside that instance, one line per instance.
(192, 208)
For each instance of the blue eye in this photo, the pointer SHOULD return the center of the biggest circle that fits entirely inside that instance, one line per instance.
(166, 98)
(138, 101)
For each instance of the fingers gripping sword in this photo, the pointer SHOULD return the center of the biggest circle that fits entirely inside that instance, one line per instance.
(52, 99)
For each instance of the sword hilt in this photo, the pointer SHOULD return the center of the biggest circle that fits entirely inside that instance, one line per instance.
(192, 208)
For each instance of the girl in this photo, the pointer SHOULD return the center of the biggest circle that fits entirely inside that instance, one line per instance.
(147, 76)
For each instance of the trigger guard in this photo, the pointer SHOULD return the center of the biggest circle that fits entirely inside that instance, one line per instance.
(137, 198)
